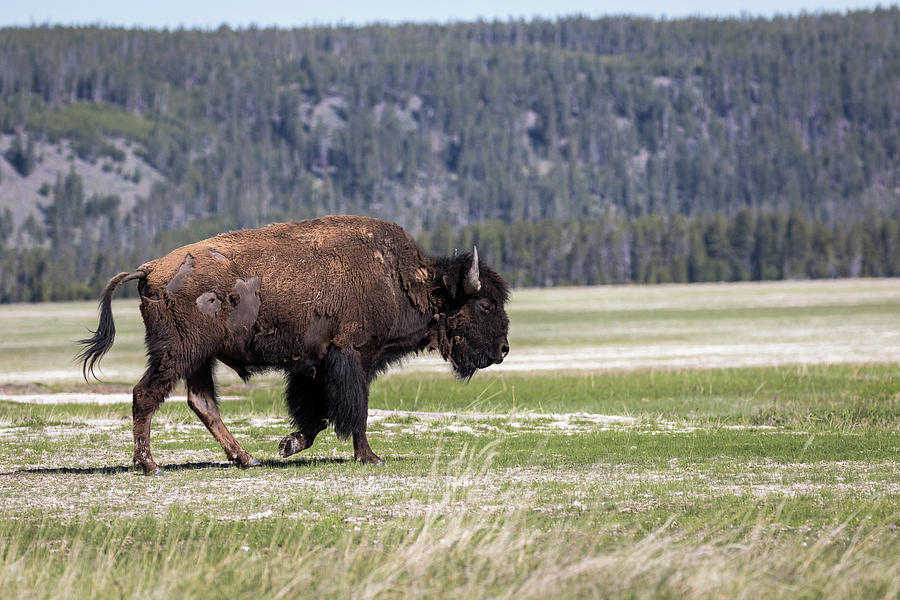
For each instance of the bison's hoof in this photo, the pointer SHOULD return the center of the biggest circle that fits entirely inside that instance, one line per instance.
(371, 460)
(245, 462)
(289, 445)
(156, 471)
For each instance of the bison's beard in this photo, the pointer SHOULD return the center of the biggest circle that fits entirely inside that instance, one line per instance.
(465, 359)
(463, 370)
(454, 350)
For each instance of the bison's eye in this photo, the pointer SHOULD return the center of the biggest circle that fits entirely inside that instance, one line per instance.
(485, 307)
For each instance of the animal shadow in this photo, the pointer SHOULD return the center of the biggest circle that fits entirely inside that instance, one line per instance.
(187, 466)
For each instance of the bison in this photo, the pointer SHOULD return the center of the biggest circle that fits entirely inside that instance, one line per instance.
(331, 302)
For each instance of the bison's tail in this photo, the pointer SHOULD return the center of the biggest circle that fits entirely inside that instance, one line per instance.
(102, 339)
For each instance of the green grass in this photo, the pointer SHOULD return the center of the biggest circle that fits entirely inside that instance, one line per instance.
(493, 499)
(761, 482)
(796, 396)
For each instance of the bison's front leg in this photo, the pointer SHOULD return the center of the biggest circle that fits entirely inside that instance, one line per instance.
(347, 395)
(299, 440)
(337, 394)
(305, 396)
(362, 452)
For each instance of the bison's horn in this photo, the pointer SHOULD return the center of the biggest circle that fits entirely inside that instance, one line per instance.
(472, 282)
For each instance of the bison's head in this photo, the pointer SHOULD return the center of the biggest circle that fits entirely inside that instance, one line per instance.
(474, 328)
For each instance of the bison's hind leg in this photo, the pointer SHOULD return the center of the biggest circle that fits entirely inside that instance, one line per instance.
(305, 398)
(201, 397)
(148, 394)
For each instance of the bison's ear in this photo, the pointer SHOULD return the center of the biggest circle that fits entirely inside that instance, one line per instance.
(464, 278)
(450, 284)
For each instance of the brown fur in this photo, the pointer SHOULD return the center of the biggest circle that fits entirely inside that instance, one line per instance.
(331, 301)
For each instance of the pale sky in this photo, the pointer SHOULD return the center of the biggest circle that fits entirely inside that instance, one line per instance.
(209, 14)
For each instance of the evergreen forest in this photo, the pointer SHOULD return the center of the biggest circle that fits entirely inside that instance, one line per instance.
(572, 152)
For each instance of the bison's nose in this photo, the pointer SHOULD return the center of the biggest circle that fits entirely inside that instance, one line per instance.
(504, 350)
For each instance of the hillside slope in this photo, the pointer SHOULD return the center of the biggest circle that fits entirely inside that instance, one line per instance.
(128, 179)
(576, 151)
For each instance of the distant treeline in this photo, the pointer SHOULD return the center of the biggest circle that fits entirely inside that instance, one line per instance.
(678, 249)
(462, 123)
(650, 249)
(572, 151)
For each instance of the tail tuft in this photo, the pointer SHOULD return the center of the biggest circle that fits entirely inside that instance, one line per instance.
(102, 339)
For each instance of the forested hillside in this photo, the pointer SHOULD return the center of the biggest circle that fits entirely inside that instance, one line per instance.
(575, 151)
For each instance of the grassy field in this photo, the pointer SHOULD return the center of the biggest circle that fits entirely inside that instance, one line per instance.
(634, 471)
